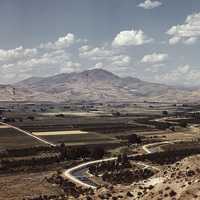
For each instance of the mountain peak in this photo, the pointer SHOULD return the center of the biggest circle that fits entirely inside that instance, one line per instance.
(100, 74)
(98, 85)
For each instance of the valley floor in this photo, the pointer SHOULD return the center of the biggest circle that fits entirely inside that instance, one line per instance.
(164, 137)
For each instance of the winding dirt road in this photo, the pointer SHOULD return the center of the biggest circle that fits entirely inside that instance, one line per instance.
(69, 172)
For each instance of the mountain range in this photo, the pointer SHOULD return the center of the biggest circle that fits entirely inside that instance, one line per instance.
(96, 85)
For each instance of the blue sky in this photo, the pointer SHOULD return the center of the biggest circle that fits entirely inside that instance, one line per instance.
(156, 40)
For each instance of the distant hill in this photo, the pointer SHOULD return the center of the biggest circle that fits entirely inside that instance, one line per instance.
(94, 85)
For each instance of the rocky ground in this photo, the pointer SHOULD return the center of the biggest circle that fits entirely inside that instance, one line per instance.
(180, 181)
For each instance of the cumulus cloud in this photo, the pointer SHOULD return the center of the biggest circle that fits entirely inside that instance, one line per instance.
(44, 60)
(186, 75)
(187, 33)
(155, 68)
(98, 65)
(148, 4)
(174, 40)
(131, 38)
(97, 53)
(183, 69)
(58, 57)
(45, 64)
(105, 56)
(17, 53)
(61, 43)
(154, 58)
(191, 40)
(70, 67)
(84, 48)
(121, 60)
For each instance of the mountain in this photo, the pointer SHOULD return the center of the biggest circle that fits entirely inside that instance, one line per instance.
(29, 81)
(98, 85)
(10, 93)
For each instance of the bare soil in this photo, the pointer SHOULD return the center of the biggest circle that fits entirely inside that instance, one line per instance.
(23, 185)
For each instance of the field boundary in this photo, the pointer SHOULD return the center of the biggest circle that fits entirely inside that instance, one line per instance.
(28, 133)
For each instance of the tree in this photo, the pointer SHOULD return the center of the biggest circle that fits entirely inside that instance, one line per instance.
(183, 124)
(60, 115)
(116, 114)
(98, 153)
(31, 117)
(63, 151)
(165, 112)
(133, 138)
(125, 158)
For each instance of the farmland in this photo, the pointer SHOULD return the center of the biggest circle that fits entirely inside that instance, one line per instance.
(49, 138)
(11, 138)
(74, 137)
(49, 133)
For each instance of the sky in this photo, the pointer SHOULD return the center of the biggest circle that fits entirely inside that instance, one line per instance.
(154, 40)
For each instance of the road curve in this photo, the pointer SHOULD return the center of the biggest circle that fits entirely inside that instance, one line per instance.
(147, 147)
(69, 172)
(28, 133)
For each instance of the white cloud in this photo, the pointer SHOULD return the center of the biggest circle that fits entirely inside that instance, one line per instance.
(45, 60)
(154, 58)
(131, 38)
(152, 69)
(98, 65)
(66, 41)
(84, 48)
(61, 43)
(70, 67)
(183, 69)
(58, 57)
(187, 33)
(174, 40)
(105, 56)
(191, 40)
(186, 75)
(149, 4)
(121, 61)
(20, 63)
(7, 66)
(97, 53)
(53, 58)
(17, 53)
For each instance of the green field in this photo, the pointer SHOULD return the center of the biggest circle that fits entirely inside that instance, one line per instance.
(11, 138)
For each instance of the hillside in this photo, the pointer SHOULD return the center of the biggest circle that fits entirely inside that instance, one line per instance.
(94, 85)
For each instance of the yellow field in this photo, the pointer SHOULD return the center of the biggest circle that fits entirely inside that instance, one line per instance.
(49, 133)
(4, 126)
(86, 114)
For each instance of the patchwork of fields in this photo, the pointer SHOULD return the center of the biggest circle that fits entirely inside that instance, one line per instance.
(75, 125)
(74, 137)
(11, 138)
